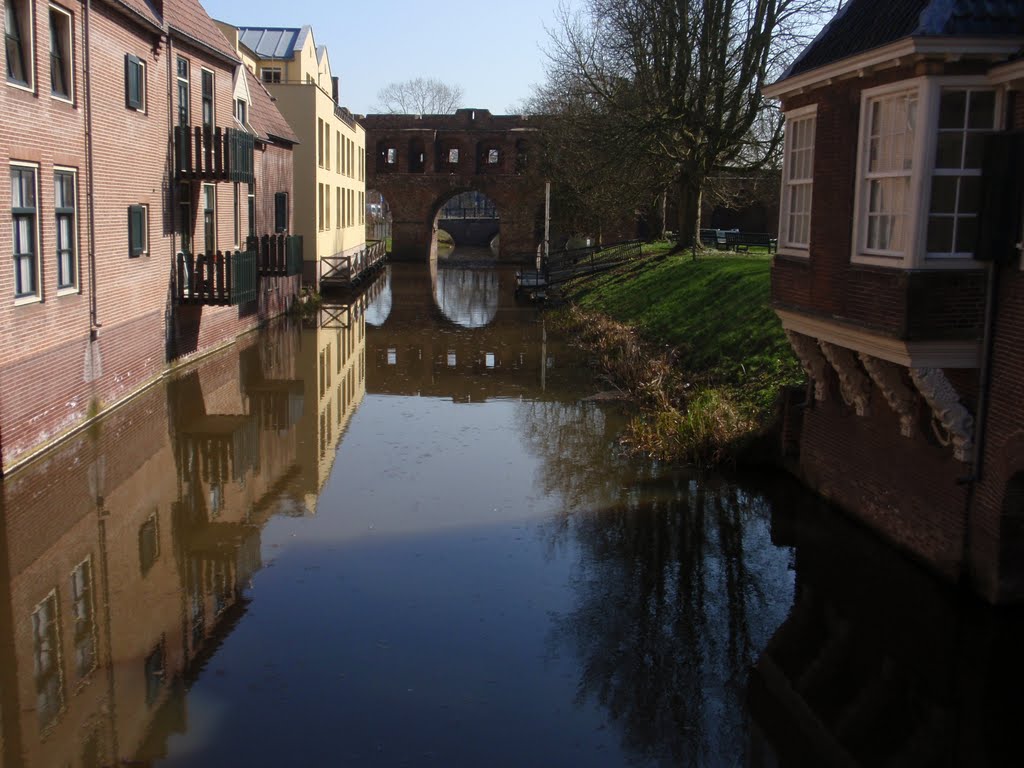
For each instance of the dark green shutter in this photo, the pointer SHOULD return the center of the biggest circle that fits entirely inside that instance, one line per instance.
(136, 230)
(280, 211)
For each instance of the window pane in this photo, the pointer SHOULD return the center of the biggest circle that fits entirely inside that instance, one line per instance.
(951, 109)
(966, 234)
(944, 194)
(974, 150)
(949, 150)
(940, 234)
(981, 114)
(970, 194)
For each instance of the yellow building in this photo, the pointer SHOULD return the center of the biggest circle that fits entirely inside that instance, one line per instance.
(330, 159)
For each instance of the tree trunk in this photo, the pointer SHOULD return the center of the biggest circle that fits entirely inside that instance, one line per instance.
(690, 187)
(662, 214)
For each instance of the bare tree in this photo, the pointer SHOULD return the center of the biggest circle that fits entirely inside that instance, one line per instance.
(419, 96)
(680, 81)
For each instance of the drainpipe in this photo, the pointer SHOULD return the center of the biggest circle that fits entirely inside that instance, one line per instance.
(172, 199)
(94, 321)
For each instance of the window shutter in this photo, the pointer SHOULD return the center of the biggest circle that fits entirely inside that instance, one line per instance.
(136, 230)
(133, 81)
(281, 211)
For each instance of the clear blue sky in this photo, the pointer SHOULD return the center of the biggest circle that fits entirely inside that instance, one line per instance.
(492, 50)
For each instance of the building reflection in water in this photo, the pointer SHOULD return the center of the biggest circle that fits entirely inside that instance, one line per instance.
(119, 579)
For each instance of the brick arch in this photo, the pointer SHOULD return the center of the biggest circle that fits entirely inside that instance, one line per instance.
(416, 195)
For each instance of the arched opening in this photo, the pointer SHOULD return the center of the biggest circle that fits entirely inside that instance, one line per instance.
(1011, 538)
(468, 296)
(472, 221)
(387, 156)
(378, 216)
(417, 155)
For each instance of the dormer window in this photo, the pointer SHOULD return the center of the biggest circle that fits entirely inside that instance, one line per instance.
(241, 111)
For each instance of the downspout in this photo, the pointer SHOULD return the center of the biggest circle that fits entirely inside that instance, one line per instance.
(94, 321)
(170, 319)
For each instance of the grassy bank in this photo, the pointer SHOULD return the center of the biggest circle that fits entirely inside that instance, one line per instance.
(711, 322)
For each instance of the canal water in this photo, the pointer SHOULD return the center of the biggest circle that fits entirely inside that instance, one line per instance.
(399, 534)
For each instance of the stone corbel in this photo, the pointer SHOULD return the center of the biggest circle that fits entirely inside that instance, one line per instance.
(853, 384)
(947, 409)
(888, 377)
(813, 362)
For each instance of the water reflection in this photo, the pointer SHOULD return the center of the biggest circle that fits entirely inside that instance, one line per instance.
(311, 545)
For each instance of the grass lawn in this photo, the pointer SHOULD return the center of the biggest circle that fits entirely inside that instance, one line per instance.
(715, 311)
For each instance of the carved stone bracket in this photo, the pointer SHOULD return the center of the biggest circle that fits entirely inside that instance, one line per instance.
(947, 409)
(854, 385)
(813, 362)
(888, 377)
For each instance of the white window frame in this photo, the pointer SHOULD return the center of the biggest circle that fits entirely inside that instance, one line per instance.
(923, 161)
(37, 295)
(272, 71)
(29, 22)
(785, 245)
(213, 97)
(75, 287)
(69, 52)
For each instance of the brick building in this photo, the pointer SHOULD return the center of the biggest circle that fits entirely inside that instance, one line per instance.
(129, 133)
(898, 282)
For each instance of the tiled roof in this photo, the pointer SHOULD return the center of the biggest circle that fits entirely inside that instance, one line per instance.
(861, 25)
(273, 42)
(264, 116)
(142, 9)
(189, 18)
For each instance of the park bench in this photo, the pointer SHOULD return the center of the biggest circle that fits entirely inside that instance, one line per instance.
(742, 241)
(715, 237)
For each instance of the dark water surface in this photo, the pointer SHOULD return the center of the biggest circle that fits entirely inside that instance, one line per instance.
(402, 538)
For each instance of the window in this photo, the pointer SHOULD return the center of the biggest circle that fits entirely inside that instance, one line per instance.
(207, 85)
(64, 205)
(49, 676)
(241, 111)
(337, 151)
(184, 91)
(797, 179)
(149, 544)
(252, 209)
(320, 208)
(84, 619)
(23, 215)
(327, 206)
(453, 155)
(134, 83)
(493, 156)
(362, 208)
(209, 218)
(280, 211)
(18, 42)
(138, 230)
(392, 156)
(238, 214)
(185, 211)
(320, 142)
(270, 74)
(154, 674)
(338, 208)
(327, 146)
(61, 51)
(965, 115)
(920, 165)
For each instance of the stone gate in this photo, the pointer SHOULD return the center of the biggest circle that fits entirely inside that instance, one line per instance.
(419, 162)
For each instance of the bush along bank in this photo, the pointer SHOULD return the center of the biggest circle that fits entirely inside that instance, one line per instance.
(694, 344)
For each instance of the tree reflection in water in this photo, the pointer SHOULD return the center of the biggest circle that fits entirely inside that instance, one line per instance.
(467, 296)
(678, 585)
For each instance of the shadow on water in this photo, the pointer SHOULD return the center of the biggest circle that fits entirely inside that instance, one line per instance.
(395, 538)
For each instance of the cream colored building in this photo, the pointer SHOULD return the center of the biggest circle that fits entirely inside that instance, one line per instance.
(330, 159)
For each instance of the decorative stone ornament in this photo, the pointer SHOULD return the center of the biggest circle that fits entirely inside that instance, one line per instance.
(888, 377)
(813, 362)
(853, 384)
(947, 409)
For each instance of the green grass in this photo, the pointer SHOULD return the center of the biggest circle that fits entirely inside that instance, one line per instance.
(715, 312)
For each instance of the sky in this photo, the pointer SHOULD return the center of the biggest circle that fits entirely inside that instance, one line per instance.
(493, 51)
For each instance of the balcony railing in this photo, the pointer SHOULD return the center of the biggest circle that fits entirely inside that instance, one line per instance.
(220, 278)
(213, 154)
(277, 254)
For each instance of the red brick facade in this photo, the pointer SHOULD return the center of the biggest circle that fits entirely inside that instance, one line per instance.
(899, 399)
(78, 350)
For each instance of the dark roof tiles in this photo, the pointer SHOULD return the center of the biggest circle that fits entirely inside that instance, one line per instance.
(264, 117)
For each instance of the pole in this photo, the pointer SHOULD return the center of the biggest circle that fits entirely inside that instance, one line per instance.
(547, 220)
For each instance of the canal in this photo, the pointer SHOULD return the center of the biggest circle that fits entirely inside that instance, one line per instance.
(400, 534)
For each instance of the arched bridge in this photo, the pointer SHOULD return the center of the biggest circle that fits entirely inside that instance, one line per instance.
(419, 162)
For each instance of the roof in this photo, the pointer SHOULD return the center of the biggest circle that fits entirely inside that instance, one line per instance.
(264, 116)
(190, 19)
(862, 25)
(274, 42)
(142, 9)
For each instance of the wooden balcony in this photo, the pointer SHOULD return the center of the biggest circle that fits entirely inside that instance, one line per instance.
(203, 153)
(346, 271)
(221, 278)
(277, 255)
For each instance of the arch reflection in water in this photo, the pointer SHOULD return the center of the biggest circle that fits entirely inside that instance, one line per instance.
(118, 583)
